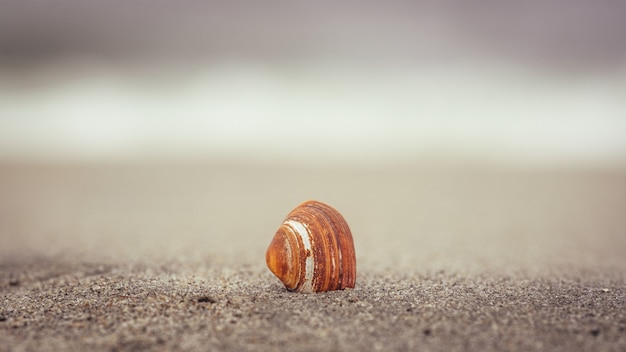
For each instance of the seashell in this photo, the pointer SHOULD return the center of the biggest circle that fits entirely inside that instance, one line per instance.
(313, 250)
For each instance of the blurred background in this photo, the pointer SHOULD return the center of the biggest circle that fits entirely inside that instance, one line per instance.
(539, 82)
(453, 135)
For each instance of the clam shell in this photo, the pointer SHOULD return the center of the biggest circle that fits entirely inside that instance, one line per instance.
(313, 250)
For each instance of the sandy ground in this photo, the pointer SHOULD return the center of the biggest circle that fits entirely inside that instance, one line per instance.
(171, 257)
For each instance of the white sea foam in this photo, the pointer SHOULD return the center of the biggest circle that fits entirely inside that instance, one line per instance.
(321, 112)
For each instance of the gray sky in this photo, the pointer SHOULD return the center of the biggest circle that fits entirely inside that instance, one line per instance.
(553, 32)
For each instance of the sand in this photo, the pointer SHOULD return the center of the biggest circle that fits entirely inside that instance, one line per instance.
(450, 258)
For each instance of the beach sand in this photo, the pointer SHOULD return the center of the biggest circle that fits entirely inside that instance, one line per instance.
(171, 256)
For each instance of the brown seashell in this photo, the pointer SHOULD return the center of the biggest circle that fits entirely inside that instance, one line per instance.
(313, 250)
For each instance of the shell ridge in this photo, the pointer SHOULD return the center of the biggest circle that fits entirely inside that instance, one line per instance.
(344, 247)
(303, 232)
(333, 247)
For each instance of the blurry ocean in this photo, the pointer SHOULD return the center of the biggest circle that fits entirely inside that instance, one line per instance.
(506, 84)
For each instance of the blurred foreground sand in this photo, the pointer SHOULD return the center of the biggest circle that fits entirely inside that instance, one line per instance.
(168, 256)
